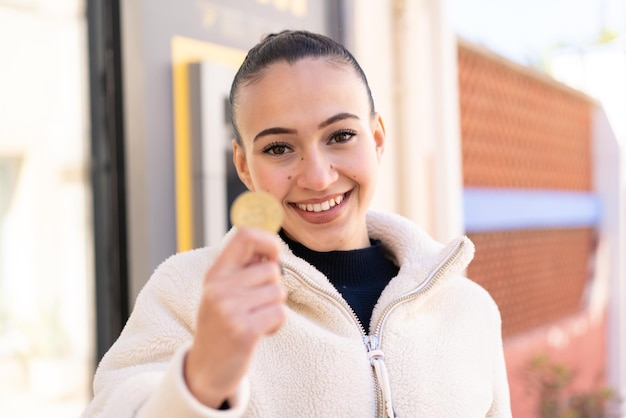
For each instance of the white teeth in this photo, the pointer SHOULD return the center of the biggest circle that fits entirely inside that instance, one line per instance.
(320, 207)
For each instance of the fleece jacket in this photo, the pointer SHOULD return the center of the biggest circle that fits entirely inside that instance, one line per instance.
(435, 346)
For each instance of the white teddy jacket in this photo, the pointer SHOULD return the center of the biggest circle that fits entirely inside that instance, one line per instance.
(434, 349)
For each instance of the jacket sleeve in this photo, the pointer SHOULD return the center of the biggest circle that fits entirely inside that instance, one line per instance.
(142, 374)
(501, 406)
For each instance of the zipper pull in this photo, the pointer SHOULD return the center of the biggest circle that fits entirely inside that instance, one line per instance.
(377, 360)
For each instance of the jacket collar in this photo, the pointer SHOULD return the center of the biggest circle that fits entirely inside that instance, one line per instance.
(414, 251)
(412, 247)
(417, 254)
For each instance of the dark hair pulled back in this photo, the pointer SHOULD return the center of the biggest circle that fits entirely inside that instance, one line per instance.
(289, 46)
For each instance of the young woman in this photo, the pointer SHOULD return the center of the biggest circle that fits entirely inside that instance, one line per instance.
(347, 312)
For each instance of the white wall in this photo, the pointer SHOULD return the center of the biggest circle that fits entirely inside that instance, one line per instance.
(608, 169)
(408, 51)
(600, 71)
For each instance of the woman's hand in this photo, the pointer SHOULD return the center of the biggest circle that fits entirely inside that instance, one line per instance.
(242, 301)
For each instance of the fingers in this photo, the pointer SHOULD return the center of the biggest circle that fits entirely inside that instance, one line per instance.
(269, 318)
(242, 300)
(244, 282)
(257, 274)
(250, 245)
(259, 297)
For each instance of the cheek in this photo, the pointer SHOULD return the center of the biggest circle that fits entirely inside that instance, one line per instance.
(272, 180)
(365, 176)
(364, 167)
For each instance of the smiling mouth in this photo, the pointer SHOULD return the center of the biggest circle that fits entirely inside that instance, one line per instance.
(322, 206)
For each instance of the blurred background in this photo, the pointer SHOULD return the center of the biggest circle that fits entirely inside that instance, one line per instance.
(506, 122)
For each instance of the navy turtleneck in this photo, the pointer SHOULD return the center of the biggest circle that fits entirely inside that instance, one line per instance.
(359, 275)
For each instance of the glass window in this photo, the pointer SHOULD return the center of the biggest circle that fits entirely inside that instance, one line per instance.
(46, 249)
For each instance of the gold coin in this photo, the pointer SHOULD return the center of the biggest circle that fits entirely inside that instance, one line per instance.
(258, 210)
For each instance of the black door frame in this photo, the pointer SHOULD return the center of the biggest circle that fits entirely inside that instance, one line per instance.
(107, 171)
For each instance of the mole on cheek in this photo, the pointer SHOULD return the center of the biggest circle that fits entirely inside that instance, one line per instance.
(302, 159)
(289, 178)
(331, 167)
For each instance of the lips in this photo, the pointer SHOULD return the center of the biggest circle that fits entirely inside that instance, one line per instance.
(321, 206)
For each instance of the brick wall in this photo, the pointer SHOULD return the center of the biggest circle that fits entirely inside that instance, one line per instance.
(521, 130)
(535, 276)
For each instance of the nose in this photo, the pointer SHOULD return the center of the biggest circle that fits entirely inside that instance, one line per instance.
(316, 172)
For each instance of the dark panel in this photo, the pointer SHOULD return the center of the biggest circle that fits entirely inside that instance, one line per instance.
(107, 171)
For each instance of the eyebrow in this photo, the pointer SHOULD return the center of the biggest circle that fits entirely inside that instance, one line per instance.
(327, 122)
(336, 118)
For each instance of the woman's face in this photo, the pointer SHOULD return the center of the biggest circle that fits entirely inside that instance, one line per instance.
(310, 140)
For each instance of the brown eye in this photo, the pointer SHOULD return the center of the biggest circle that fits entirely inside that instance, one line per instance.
(276, 149)
(342, 136)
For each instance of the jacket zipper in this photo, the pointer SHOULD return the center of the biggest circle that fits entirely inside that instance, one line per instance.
(373, 341)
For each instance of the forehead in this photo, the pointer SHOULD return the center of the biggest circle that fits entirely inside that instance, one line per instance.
(305, 72)
(310, 87)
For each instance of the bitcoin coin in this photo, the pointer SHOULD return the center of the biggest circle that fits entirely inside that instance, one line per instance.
(258, 210)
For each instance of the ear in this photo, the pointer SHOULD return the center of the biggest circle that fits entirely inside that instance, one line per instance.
(241, 165)
(378, 132)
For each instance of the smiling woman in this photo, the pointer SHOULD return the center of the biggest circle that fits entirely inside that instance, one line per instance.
(310, 147)
(345, 312)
